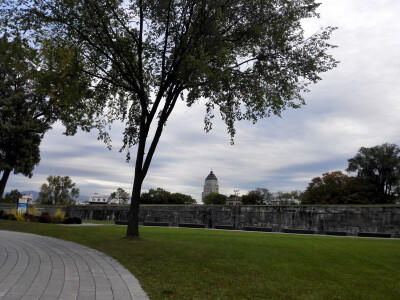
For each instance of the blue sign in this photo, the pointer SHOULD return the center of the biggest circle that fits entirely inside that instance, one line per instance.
(22, 207)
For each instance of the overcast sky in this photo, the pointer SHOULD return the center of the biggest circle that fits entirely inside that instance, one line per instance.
(355, 105)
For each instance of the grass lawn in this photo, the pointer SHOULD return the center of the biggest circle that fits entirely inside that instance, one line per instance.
(98, 222)
(179, 263)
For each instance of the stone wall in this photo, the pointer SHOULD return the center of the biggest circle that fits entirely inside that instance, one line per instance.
(349, 220)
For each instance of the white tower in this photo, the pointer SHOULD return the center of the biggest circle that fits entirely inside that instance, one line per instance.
(210, 185)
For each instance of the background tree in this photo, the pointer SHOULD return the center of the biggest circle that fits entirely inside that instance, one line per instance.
(248, 57)
(179, 198)
(380, 166)
(259, 196)
(155, 196)
(60, 190)
(29, 105)
(121, 196)
(12, 197)
(287, 198)
(161, 196)
(338, 188)
(252, 198)
(215, 199)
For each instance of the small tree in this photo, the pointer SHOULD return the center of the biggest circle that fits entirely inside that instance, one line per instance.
(121, 196)
(12, 197)
(60, 190)
(215, 199)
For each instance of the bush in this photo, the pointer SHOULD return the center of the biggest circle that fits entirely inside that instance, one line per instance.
(32, 211)
(59, 216)
(15, 215)
(11, 217)
(74, 220)
(19, 217)
(31, 218)
(45, 218)
(1, 214)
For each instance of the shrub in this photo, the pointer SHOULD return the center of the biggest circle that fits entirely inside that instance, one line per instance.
(59, 216)
(15, 215)
(1, 214)
(19, 217)
(74, 220)
(77, 220)
(45, 218)
(32, 211)
(31, 218)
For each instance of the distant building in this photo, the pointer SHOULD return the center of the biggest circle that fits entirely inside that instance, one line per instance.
(233, 200)
(210, 185)
(29, 198)
(100, 199)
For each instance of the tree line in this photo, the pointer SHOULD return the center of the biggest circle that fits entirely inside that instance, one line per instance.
(377, 181)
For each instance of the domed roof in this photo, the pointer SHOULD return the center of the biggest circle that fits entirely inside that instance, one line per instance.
(211, 176)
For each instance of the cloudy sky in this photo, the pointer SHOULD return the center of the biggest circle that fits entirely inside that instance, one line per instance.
(357, 104)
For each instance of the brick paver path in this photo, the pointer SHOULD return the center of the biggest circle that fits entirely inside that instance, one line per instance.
(39, 267)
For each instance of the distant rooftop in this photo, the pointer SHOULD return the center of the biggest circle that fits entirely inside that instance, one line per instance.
(211, 176)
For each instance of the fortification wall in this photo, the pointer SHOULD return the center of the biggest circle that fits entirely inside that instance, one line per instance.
(338, 220)
(341, 220)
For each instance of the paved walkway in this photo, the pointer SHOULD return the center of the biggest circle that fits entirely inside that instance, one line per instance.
(39, 267)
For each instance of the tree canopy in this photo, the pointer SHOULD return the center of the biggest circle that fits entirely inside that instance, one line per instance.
(338, 188)
(214, 199)
(60, 190)
(248, 58)
(259, 196)
(121, 196)
(379, 166)
(29, 105)
(12, 197)
(161, 196)
(22, 120)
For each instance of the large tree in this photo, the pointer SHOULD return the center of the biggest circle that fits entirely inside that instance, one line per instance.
(30, 104)
(248, 57)
(338, 188)
(21, 121)
(59, 190)
(380, 166)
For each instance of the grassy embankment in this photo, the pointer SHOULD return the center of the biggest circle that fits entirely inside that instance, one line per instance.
(210, 264)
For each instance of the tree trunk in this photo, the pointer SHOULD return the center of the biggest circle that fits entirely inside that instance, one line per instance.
(133, 217)
(3, 181)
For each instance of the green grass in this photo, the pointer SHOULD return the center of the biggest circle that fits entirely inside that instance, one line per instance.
(183, 263)
(98, 222)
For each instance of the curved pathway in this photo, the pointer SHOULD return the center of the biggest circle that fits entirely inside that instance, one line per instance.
(39, 267)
